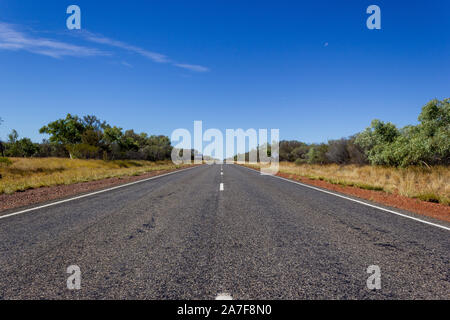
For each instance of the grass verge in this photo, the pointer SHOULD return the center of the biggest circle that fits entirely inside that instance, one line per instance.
(427, 184)
(20, 174)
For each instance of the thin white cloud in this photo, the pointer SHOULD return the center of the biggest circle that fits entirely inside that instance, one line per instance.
(12, 39)
(154, 56)
(191, 67)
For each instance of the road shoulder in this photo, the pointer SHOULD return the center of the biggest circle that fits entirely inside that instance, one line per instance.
(23, 199)
(433, 210)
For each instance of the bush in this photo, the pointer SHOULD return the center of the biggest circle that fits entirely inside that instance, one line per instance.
(425, 144)
(337, 151)
(317, 154)
(300, 161)
(5, 162)
(83, 151)
(429, 197)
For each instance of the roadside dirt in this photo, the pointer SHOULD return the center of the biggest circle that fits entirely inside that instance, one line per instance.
(44, 194)
(429, 209)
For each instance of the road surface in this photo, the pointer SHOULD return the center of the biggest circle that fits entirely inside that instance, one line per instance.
(198, 233)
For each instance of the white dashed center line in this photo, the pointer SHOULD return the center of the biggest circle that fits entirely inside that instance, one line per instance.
(221, 187)
(224, 296)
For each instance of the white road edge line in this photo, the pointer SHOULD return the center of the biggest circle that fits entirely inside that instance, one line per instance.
(92, 193)
(221, 187)
(358, 201)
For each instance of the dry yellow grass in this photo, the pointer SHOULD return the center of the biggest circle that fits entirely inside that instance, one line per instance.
(426, 184)
(27, 173)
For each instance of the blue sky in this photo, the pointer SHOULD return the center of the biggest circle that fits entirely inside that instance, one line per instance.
(311, 69)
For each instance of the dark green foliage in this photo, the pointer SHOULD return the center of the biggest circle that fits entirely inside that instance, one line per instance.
(300, 161)
(90, 138)
(65, 131)
(424, 144)
(430, 197)
(345, 151)
(427, 143)
(317, 154)
(292, 150)
(16, 147)
(84, 151)
(5, 162)
(47, 149)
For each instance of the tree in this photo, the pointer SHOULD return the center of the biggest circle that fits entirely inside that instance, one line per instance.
(345, 151)
(27, 147)
(433, 132)
(291, 150)
(158, 148)
(356, 153)
(338, 152)
(20, 147)
(93, 123)
(13, 137)
(300, 152)
(376, 142)
(435, 115)
(13, 147)
(112, 137)
(66, 131)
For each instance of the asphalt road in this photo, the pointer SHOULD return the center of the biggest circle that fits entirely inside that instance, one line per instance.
(181, 237)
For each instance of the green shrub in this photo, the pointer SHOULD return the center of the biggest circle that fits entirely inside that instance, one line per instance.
(425, 144)
(430, 197)
(5, 161)
(368, 187)
(83, 151)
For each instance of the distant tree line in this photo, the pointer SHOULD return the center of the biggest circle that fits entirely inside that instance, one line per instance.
(89, 138)
(427, 143)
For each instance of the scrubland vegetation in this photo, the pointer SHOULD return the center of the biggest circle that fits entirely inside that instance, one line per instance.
(425, 144)
(18, 174)
(79, 150)
(413, 161)
(89, 138)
